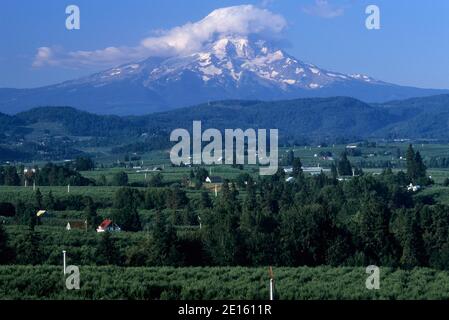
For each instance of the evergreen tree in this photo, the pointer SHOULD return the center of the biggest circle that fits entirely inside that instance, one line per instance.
(127, 218)
(205, 200)
(334, 172)
(127, 197)
(90, 214)
(290, 158)
(250, 208)
(165, 243)
(6, 253)
(84, 164)
(29, 248)
(376, 241)
(11, 178)
(25, 214)
(20, 212)
(106, 252)
(297, 167)
(156, 180)
(125, 212)
(177, 198)
(420, 167)
(411, 163)
(306, 233)
(416, 169)
(413, 254)
(120, 179)
(38, 199)
(34, 220)
(344, 166)
(221, 228)
(188, 216)
(50, 202)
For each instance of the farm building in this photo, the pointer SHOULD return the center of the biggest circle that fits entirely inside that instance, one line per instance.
(108, 226)
(413, 188)
(315, 170)
(79, 225)
(214, 179)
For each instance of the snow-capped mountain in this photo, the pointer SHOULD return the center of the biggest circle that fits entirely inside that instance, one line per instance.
(229, 62)
(231, 67)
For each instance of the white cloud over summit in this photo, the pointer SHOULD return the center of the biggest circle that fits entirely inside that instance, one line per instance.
(241, 20)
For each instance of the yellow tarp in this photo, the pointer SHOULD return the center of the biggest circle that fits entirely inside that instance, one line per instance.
(41, 213)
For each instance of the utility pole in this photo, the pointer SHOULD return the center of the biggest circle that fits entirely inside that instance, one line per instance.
(64, 260)
(271, 283)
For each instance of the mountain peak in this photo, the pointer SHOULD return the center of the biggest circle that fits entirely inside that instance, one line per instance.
(232, 45)
(232, 66)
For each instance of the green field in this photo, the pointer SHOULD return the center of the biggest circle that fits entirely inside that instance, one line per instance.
(320, 283)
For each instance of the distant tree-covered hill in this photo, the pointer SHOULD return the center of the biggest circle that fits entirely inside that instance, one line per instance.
(80, 123)
(305, 119)
(61, 132)
(418, 118)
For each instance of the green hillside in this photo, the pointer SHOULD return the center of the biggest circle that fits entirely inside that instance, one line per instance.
(52, 133)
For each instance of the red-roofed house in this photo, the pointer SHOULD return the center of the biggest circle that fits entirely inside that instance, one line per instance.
(108, 225)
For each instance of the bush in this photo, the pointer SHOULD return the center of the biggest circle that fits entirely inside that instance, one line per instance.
(7, 209)
(120, 179)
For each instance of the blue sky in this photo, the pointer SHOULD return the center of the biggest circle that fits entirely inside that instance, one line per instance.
(411, 48)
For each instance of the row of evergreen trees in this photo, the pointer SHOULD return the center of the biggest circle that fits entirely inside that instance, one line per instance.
(49, 175)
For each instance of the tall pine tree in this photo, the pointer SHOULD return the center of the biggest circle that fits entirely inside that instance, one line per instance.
(344, 166)
(6, 253)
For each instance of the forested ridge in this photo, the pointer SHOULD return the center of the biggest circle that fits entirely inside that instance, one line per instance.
(59, 132)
